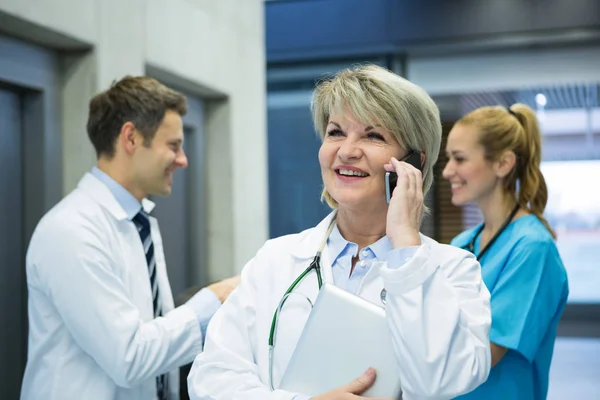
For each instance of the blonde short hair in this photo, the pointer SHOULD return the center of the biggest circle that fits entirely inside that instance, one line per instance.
(378, 97)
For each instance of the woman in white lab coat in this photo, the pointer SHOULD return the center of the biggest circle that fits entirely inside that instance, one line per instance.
(437, 305)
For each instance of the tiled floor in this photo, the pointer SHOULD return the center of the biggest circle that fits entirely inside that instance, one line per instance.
(575, 371)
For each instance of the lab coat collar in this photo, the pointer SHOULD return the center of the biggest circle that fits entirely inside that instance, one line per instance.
(102, 195)
(311, 239)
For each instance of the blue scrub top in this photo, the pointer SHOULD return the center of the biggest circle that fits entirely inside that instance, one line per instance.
(528, 284)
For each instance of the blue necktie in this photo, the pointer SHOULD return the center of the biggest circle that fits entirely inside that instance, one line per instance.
(142, 222)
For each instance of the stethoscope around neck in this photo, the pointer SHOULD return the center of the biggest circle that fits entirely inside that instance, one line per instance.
(471, 245)
(314, 264)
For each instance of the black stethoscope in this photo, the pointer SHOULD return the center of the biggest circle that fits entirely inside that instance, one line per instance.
(314, 264)
(471, 246)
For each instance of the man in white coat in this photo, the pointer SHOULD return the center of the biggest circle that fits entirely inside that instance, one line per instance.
(102, 324)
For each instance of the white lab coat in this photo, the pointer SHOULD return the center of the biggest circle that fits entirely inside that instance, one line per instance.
(437, 307)
(92, 334)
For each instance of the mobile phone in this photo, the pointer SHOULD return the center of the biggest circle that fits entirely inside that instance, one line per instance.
(391, 178)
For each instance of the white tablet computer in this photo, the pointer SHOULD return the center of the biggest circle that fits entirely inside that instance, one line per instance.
(344, 335)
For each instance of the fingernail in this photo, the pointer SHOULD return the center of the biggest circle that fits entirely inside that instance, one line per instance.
(370, 372)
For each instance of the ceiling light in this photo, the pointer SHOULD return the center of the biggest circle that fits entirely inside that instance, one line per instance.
(540, 99)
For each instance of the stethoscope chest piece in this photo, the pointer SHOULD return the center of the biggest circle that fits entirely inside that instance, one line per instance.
(383, 295)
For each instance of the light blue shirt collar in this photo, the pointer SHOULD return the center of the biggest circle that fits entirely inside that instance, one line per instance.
(338, 246)
(129, 203)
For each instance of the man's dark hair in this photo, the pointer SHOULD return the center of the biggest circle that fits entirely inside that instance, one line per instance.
(140, 100)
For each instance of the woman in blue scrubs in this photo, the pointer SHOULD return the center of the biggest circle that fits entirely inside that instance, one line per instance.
(494, 161)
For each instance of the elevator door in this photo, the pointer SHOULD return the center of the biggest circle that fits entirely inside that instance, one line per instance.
(13, 314)
(181, 215)
(172, 213)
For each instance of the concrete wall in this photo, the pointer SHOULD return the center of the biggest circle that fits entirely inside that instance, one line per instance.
(210, 48)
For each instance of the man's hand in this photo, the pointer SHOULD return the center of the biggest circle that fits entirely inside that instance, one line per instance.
(353, 390)
(223, 289)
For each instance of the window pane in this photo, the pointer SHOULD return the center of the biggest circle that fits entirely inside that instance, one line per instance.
(573, 211)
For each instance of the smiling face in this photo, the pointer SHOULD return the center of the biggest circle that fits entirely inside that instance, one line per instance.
(471, 175)
(155, 164)
(352, 157)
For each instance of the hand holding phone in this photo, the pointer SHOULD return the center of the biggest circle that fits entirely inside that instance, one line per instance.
(391, 178)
